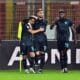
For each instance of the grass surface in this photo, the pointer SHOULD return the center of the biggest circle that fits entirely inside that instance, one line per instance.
(46, 75)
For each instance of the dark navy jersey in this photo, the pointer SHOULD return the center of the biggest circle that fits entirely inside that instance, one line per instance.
(25, 31)
(40, 23)
(63, 29)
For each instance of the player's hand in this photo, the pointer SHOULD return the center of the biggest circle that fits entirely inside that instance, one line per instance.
(41, 29)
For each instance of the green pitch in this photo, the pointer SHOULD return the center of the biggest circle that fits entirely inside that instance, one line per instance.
(46, 75)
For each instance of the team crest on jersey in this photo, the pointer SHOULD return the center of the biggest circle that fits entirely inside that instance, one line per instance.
(27, 27)
(65, 22)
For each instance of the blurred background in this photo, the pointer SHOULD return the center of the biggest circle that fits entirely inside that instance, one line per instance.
(13, 11)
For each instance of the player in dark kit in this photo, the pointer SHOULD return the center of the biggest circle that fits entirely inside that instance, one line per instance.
(40, 39)
(26, 45)
(63, 34)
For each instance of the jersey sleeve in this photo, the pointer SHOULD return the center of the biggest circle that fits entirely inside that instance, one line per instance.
(27, 27)
(44, 24)
(56, 22)
(70, 23)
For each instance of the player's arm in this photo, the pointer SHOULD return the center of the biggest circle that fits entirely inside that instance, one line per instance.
(36, 31)
(74, 32)
(33, 31)
(54, 23)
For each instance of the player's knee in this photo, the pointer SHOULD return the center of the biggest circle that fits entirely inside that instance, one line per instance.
(38, 53)
(32, 54)
(42, 53)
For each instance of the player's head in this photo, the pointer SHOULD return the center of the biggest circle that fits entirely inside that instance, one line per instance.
(61, 13)
(25, 20)
(40, 13)
(32, 19)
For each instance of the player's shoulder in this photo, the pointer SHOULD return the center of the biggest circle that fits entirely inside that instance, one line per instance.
(45, 21)
(68, 19)
(70, 22)
(57, 21)
(27, 26)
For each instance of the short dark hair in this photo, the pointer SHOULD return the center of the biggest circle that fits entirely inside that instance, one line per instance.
(33, 17)
(40, 9)
(61, 11)
(25, 20)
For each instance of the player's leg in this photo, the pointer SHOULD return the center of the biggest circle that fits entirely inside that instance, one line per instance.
(66, 47)
(65, 59)
(43, 49)
(63, 55)
(37, 52)
(60, 49)
(24, 54)
(37, 57)
(31, 58)
(26, 68)
(42, 61)
(61, 59)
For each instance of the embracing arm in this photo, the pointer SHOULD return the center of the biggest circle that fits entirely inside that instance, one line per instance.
(36, 31)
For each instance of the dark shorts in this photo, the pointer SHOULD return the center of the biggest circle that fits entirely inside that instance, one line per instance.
(26, 46)
(40, 45)
(63, 45)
